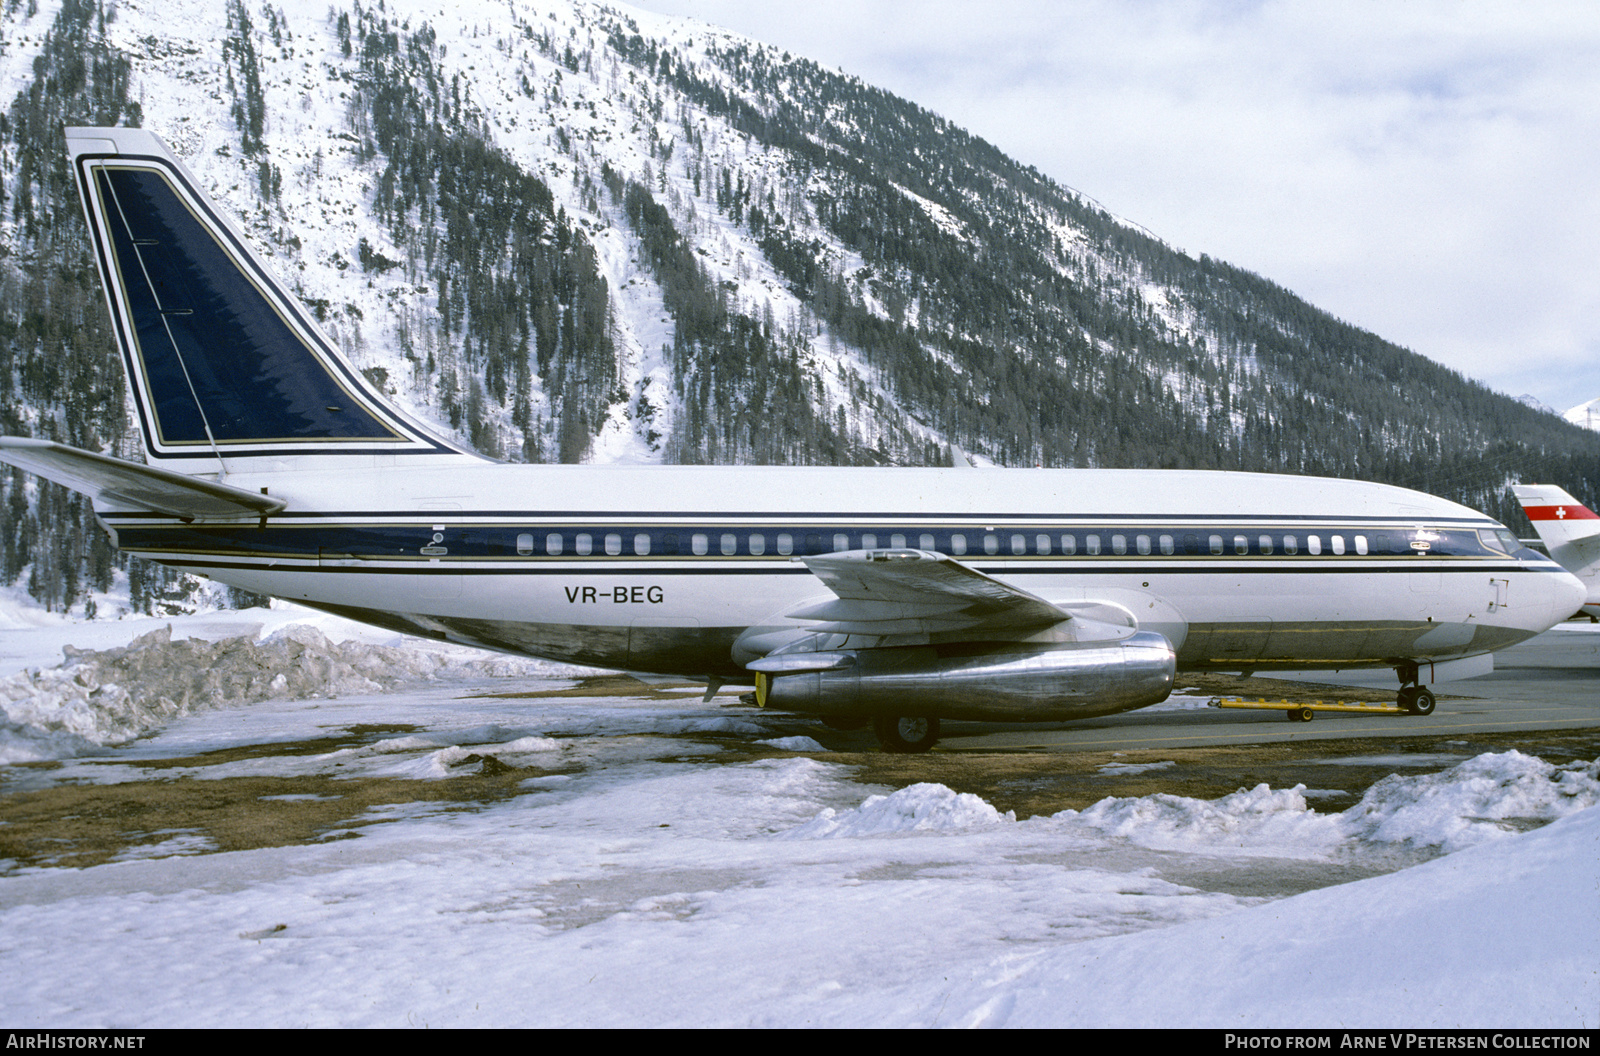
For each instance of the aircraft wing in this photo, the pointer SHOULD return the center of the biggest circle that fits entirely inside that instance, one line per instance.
(131, 484)
(893, 592)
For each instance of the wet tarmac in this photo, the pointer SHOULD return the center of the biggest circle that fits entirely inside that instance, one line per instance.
(1548, 684)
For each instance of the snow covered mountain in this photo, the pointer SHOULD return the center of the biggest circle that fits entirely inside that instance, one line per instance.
(1586, 415)
(567, 231)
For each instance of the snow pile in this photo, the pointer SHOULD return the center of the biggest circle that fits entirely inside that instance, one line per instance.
(1484, 798)
(794, 744)
(1257, 821)
(449, 754)
(915, 808)
(1501, 935)
(1492, 795)
(98, 698)
(1125, 769)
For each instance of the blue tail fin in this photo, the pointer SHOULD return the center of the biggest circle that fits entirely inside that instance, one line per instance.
(223, 362)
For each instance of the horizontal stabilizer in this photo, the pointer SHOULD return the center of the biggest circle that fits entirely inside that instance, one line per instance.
(116, 482)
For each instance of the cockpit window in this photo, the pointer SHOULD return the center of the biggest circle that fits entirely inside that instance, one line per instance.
(1499, 540)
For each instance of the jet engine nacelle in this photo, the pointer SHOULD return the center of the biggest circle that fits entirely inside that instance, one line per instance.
(1002, 683)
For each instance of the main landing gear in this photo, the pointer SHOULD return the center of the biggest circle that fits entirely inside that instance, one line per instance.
(1413, 698)
(906, 734)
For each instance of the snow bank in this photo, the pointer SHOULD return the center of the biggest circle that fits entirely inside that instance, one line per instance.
(1482, 799)
(794, 744)
(1486, 797)
(915, 808)
(447, 751)
(1259, 820)
(99, 698)
(1504, 935)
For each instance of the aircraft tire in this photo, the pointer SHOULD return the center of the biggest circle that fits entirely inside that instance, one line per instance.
(906, 734)
(1421, 702)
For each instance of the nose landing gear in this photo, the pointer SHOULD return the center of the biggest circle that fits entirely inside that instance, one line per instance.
(1413, 698)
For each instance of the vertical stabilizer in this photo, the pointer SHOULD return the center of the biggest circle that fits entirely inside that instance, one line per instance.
(1570, 530)
(223, 362)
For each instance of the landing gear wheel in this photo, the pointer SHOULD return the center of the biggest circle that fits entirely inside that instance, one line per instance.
(1407, 697)
(843, 722)
(906, 734)
(1421, 702)
(1301, 714)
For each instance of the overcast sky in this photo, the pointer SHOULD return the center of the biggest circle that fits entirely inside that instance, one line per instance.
(1429, 171)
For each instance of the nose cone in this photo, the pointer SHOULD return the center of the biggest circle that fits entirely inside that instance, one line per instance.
(1566, 594)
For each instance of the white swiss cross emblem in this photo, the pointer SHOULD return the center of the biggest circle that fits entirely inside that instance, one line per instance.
(1561, 511)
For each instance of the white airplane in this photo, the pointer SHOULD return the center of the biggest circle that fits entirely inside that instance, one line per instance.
(895, 596)
(1571, 532)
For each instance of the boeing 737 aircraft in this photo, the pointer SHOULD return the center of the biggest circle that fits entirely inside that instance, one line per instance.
(1571, 532)
(895, 596)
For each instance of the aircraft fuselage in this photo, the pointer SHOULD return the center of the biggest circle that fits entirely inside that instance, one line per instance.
(664, 569)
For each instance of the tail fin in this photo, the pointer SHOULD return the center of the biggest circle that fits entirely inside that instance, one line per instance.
(1569, 529)
(223, 362)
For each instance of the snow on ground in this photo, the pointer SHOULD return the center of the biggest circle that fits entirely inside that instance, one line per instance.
(641, 880)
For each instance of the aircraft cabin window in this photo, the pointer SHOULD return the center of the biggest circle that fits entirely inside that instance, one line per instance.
(1119, 544)
(1142, 543)
(699, 543)
(869, 540)
(926, 541)
(991, 544)
(1361, 544)
(1314, 545)
(525, 543)
(584, 544)
(1091, 545)
(552, 544)
(1291, 545)
(958, 543)
(813, 544)
(785, 543)
(898, 541)
(1216, 544)
(613, 543)
(1241, 544)
(1042, 544)
(1069, 544)
(841, 541)
(1338, 544)
(758, 544)
(1266, 544)
(1019, 544)
(641, 543)
(730, 544)
(1167, 544)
